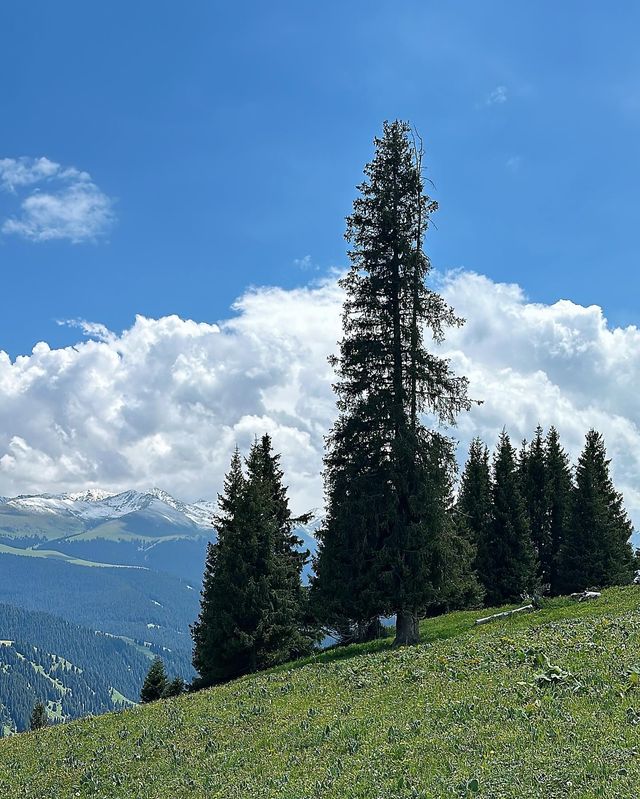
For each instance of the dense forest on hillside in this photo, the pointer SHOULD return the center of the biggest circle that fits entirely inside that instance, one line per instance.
(136, 603)
(73, 669)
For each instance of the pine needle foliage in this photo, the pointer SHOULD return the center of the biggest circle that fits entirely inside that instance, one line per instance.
(253, 611)
(596, 550)
(155, 683)
(506, 560)
(536, 492)
(559, 480)
(39, 719)
(382, 545)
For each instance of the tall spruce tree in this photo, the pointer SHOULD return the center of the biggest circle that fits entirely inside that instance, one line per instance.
(596, 550)
(506, 558)
(450, 569)
(252, 613)
(473, 507)
(559, 487)
(223, 635)
(535, 488)
(282, 632)
(383, 537)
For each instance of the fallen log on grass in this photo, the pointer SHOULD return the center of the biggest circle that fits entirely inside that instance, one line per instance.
(583, 596)
(505, 613)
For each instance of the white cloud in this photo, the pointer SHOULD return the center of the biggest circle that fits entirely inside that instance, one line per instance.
(164, 402)
(16, 172)
(61, 202)
(498, 96)
(305, 264)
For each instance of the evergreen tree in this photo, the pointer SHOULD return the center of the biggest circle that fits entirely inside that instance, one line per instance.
(596, 550)
(381, 540)
(506, 559)
(174, 688)
(223, 635)
(473, 508)
(448, 559)
(155, 683)
(281, 633)
(39, 718)
(559, 488)
(253, 612)
(535, 488)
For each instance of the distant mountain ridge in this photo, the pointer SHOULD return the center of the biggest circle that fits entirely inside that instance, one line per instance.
(126, 564)
(150, 529)
(134, 528)
(97, 505)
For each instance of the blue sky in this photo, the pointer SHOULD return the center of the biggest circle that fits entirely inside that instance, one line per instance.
(161, 158)
(227, 139)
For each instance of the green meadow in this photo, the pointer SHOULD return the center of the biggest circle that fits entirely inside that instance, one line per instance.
(539, 705)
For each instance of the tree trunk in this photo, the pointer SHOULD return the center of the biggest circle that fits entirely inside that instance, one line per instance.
(368, 630)
(407, 628)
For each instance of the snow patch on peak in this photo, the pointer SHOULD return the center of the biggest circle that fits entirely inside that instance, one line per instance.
(90, 495)
(95, 505)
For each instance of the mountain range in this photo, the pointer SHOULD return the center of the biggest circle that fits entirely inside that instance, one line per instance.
(127, 565)
(149, 529)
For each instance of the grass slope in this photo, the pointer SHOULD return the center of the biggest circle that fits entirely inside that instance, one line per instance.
(15, 523)
(5, 549)
(542, 705)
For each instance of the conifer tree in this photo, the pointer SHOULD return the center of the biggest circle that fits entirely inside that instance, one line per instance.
(39, 718)
(174, 688)
(155, 683)
(596, 550)
(252, 613)
(473, 508)
(380, 543)
(535, 488)
(282, 634)
(448, 565)
(559, 487)
(506, 559)
(224, 634)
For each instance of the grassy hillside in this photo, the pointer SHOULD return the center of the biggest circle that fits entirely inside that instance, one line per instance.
(543, 705)
(53, 554)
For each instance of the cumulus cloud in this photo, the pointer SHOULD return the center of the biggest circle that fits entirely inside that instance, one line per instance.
(165, 402)
(57, 203)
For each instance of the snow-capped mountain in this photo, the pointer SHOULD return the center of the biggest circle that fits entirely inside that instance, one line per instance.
(134, 528)
(96, 505)
(150, 528)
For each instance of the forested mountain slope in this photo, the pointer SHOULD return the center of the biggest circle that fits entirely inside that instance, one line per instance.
(136, 603)
(74, 670)
(544, 704)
